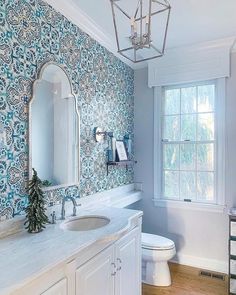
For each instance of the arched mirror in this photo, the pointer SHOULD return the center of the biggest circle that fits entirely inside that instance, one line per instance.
(54, 123)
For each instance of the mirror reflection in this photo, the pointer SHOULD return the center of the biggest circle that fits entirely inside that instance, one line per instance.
(54, 130)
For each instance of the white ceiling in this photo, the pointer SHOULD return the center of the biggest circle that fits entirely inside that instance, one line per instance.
(191, 22)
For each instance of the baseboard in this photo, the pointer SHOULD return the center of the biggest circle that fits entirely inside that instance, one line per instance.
(203, 263)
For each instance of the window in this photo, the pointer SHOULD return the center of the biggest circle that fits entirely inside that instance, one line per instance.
(191, 144)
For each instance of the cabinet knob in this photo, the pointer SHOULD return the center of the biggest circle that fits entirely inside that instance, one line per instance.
(114, 266)
(119, 263)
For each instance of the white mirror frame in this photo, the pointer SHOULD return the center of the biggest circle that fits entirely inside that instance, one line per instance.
(77, 110)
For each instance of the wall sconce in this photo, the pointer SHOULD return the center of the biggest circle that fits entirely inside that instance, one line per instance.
(100, 135)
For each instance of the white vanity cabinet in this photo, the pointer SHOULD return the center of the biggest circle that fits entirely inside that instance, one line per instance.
(115, 271)
(110, 266)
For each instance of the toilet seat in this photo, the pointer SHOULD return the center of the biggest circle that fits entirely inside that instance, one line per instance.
(154, 242)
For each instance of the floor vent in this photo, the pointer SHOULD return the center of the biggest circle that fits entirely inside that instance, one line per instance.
(213, 275)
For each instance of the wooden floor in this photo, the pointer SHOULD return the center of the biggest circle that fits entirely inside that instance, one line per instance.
(186, 281)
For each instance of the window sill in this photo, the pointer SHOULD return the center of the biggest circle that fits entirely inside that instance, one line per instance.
(189, 206)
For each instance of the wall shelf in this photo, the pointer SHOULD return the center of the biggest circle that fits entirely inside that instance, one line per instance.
(119, 164)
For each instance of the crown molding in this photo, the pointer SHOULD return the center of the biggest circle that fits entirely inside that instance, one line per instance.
(86, 24)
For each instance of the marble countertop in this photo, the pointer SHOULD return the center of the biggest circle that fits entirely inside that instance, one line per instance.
(24, 256)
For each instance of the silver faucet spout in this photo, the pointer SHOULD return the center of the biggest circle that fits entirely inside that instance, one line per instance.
(74, 205)
(63, 212)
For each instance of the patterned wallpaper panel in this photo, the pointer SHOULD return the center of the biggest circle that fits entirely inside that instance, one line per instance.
(32, 33)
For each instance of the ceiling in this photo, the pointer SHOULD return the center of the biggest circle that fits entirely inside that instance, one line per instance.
(191, 22)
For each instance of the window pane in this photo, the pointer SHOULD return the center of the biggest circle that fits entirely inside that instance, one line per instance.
(188, 100)
(205, 157)
(189, 143)
(171, 184)
(187, 185)
(206, 127)
(171, 156)
(171, 128)
(172, 102)
(206, 98)
(188, 127)
(205, 185)
(187, 157)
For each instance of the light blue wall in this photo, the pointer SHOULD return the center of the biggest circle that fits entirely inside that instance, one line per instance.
(32, 33)
(201, 237)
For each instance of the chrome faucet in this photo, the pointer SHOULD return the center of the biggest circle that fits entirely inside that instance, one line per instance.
(63, 213)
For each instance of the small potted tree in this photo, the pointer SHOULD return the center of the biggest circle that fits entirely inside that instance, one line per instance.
(36, 217)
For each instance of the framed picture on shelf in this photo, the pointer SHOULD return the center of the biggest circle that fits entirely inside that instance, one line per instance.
(121, 150)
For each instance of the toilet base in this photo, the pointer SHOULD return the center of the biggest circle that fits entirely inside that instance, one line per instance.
(157, 274)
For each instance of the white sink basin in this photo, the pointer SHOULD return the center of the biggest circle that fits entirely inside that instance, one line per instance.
(85, 223)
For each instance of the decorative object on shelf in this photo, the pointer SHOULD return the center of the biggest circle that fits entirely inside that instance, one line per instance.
(113, 147)
(109, 149)
(121, 151)
(118, 151)
(35, 211)
(148, 19)
(128, 145)
(101, 135)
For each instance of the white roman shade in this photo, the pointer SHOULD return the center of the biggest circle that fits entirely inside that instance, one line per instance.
(206, 61)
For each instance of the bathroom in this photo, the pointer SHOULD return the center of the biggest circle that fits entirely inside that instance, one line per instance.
(117, 147)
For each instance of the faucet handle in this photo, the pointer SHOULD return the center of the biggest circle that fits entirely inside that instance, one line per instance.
(54, 218)
(74, 199)
(75, 205)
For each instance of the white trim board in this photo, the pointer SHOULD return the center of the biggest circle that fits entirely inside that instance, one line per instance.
(180, 205)
(202, 263)
(86, 24)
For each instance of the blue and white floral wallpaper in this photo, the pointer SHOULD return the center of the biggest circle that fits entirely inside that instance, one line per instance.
(32, 33)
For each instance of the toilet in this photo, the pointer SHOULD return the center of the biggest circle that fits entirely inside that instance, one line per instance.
(156, 252)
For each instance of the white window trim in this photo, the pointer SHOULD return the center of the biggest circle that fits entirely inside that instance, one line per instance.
(220, 161)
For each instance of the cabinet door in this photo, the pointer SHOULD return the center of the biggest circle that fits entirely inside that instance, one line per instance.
(96, 277)
(128, 263)
(59, 288)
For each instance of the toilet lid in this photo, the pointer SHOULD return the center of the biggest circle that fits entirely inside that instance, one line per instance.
(150, 241)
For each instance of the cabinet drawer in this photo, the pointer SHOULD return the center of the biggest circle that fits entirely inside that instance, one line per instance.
(233, 267)
(233, 285)
(233, 228)
(233, 248)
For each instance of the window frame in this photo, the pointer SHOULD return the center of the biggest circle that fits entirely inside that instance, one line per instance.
(219, 199)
